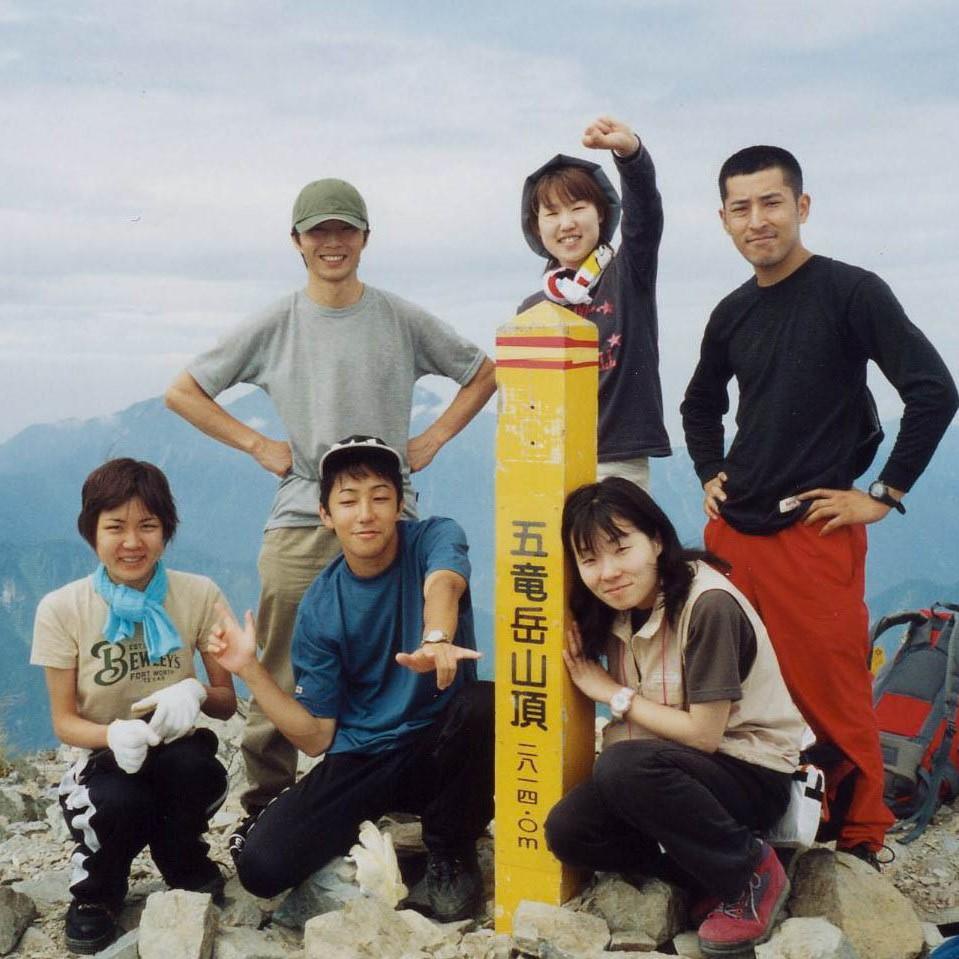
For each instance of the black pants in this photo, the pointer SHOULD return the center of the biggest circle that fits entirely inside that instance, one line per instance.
(112, 815)
(444, 774)
(702, 808)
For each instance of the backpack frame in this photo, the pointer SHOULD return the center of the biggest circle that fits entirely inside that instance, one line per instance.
(916, 698)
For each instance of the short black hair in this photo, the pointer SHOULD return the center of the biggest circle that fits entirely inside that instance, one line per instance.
(756, 158)
(117, 482)
(357, 462)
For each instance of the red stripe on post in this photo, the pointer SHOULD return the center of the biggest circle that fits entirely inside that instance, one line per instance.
(546, 364)
(564, 342)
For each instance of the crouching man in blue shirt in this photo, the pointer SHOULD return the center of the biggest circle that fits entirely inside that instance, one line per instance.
(370, 633)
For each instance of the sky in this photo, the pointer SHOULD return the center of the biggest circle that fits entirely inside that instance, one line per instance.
(151, 152)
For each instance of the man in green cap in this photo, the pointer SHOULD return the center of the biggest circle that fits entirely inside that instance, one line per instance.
(336, 358)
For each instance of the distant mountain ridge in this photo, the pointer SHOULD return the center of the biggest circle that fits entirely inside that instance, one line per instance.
(224, 497)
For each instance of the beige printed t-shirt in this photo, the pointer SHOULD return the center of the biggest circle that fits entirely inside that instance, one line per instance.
(68, 634)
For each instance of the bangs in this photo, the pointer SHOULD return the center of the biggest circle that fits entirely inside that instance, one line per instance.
(568, 185)
(597, 520)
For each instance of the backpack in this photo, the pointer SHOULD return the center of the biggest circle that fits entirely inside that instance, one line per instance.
(916, 699)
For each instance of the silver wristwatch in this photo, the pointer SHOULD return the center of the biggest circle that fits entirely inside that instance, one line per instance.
(880, 491)
(435, 636)
(621, 700)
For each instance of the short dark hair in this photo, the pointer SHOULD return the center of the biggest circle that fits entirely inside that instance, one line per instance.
(569, 184)
(756, 158)
(117, 482)
(594, 510)
(358, 462)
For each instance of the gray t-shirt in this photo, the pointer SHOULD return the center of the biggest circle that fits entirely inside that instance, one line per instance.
(334, 372)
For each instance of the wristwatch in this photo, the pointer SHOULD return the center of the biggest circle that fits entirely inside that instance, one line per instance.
(620, 702)
(435, 636)
(879, 491)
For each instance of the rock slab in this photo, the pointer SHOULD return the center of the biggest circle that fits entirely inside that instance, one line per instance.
(16, 913)
(369, 929)
(807, 939)
(177, 925)
(242, 943)
(876, 918)
(653, 909)
(552, 932)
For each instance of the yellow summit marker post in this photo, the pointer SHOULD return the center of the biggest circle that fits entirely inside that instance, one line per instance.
(546, 368)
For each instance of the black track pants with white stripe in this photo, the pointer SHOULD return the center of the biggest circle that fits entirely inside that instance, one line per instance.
(167, 804)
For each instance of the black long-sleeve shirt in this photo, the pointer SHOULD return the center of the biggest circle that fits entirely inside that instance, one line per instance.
(624, 310)
(798, 350)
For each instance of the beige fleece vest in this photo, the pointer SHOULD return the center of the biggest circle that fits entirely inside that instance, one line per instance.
(764, 726)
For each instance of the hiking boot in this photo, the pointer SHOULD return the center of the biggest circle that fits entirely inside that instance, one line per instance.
(237, 839)
(89, 927)
(453, 884)
(747, 921)
(700, 908)
(870, 856)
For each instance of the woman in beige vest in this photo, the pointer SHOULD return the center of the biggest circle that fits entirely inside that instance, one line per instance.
(698, 758)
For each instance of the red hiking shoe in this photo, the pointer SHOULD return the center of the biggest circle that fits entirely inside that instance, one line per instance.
(747, 921)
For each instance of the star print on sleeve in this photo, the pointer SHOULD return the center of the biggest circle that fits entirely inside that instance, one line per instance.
(606, 308)
(613, 341)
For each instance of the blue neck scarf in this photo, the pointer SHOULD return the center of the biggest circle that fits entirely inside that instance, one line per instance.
(131, 606)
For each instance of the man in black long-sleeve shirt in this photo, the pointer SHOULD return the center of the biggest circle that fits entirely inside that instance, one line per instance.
(781, 505)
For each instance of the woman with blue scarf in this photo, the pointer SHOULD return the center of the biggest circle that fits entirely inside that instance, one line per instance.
(118, 652)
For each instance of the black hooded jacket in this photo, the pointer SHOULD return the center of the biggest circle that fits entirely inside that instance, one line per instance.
(623, 309)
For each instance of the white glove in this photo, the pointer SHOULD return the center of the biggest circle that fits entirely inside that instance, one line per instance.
(130, 739)
(175, 708)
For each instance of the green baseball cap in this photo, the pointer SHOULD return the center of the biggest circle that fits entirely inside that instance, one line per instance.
(329, 199)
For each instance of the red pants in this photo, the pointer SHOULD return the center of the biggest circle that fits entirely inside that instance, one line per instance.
(809, 590)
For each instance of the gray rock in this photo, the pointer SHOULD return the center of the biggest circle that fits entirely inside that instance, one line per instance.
(35, 943)
(17, 911)
(177, 925)
(329, 888)
(631, 942)
(687, 944)
(56, 822)
(552, 932)
(20, 804)
(240, 908)
(47, 889)
(368, 929)
(807, 939)
(655, 909)
(407, 836)
(932, 935)
(126, 947)
(876, 918)
(484, 944)
(616, 954)
(250, 944)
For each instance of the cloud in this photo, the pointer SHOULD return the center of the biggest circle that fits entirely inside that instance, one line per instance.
(153, 153)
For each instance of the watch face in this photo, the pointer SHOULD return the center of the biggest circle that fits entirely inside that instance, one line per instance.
(620, 700)
(877, 490)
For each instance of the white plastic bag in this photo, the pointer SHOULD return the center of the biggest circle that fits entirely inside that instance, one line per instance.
(800, 822)
(377, 871)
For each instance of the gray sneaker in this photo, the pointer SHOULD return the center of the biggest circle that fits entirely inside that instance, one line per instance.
(453, 883)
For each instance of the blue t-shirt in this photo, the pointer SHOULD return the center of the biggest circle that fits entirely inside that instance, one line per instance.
(349, 630)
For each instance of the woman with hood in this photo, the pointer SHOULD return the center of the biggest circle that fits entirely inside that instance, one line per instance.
(570, 212)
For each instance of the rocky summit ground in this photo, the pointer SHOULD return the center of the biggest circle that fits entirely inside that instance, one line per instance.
(35, 851)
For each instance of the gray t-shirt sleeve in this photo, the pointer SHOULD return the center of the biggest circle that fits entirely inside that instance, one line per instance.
(438, 348)
(720, 648)
(242, 354)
